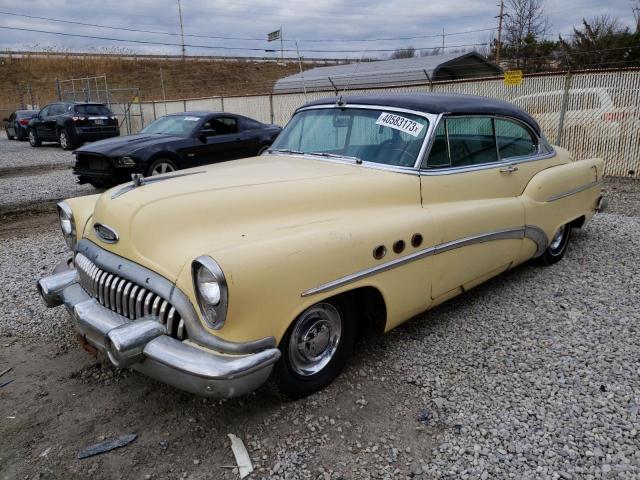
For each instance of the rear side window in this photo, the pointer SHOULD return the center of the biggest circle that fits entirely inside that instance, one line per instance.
(513, 139)
(224, 125)
(92, 110)
(471, 141)
(56, 110)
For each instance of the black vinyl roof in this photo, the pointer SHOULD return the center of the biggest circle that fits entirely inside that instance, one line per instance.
(437, 103)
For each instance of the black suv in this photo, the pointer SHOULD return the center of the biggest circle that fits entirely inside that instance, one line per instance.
(72, 123)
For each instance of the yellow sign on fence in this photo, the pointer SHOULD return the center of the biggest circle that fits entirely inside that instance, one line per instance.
(513, 77)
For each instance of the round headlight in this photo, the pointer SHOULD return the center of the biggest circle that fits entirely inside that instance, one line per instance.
(211, 290)
(208, 286)
(67, 224)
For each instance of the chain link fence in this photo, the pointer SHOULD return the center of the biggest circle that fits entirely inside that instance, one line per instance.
(591, 113)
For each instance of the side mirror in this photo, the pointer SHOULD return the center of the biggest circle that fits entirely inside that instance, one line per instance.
(202, 137)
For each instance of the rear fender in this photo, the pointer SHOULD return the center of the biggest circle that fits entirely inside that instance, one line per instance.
(562, 194)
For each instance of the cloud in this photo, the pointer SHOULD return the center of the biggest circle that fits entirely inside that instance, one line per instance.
(324, 29)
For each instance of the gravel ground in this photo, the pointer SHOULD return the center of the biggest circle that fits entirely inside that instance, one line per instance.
(34, 179)
(533, 375)
(21, 154)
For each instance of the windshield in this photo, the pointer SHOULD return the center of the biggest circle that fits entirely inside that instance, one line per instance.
(181, 125)
(92, 110)
(376, 135)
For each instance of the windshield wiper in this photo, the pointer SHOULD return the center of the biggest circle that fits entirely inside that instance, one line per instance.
(334, 155)
(285, 150)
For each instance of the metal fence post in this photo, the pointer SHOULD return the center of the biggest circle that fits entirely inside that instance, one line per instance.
(222, 103)
(271, 112)
(59, 89)
(563, 108)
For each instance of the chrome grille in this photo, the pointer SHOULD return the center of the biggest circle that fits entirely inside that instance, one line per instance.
(127, 298)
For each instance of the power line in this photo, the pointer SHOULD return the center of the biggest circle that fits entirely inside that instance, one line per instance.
(222, 37)
(213, 47)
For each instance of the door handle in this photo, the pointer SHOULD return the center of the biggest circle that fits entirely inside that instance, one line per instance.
(509, 169)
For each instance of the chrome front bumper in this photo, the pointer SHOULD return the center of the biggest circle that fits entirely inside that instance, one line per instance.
(144, 346)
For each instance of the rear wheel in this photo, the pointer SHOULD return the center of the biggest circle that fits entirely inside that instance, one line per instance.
(315, 348)
(34, 140)
(10, 137)
(64, 141)
(160, 166)
(557, 246)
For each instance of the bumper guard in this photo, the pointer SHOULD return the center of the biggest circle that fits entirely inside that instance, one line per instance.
(144, 346)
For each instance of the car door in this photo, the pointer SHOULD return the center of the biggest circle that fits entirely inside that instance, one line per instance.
(39, 120)
(47, 126)
(471, 181)
(222, 141)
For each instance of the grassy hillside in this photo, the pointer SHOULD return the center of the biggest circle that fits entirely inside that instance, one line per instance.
(182, 79)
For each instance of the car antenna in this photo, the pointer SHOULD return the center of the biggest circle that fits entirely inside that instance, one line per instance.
(340, 102)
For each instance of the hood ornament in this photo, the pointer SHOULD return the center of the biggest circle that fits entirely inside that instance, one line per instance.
(138, 179)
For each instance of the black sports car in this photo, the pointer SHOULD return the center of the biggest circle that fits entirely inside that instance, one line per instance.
(173, 142)
(72, 123)
(17, 125)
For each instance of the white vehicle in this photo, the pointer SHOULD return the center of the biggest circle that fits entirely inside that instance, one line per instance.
(593, 117)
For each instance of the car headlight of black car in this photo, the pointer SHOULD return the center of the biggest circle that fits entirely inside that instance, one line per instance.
(124, 162)
(210, 287)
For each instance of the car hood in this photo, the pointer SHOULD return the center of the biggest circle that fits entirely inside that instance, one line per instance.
(118, 146)
(166, 224)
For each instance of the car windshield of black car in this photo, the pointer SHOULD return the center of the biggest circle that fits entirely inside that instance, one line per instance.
(180, 125)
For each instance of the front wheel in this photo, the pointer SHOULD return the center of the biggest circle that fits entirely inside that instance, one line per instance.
(160, 166)
(315, 348)
(557, 246)
(34, 140)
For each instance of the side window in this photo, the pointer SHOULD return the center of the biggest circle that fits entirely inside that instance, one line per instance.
(208, 129)
(45, 111)
(439, 154)
(56, 110)
(224, 125)
(471, 141)
(514, 140)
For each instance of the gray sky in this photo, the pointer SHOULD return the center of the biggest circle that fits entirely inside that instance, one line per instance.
(311, 24)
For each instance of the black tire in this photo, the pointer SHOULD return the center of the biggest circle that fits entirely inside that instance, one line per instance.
(98, 184)
(557, 247)
(287, 375)
(9, 137)
(34, 139)
(64, 140)
(157, 164)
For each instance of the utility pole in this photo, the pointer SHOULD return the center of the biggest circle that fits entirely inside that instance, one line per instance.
(282, 46)
(443, 40)
(181, 30)
(499, 42)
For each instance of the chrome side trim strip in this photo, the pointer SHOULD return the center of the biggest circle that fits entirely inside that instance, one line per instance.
(573, 191)
(428, 172)
(528, 231)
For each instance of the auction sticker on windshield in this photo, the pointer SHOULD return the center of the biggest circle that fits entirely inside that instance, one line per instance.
(401, 123)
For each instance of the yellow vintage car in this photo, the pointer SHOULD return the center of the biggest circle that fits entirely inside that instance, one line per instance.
(366, 211)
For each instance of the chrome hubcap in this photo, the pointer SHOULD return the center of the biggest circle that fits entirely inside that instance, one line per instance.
(63, 140)
(161, 168)
(315, 339)
(31, 138)
(557, 238)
